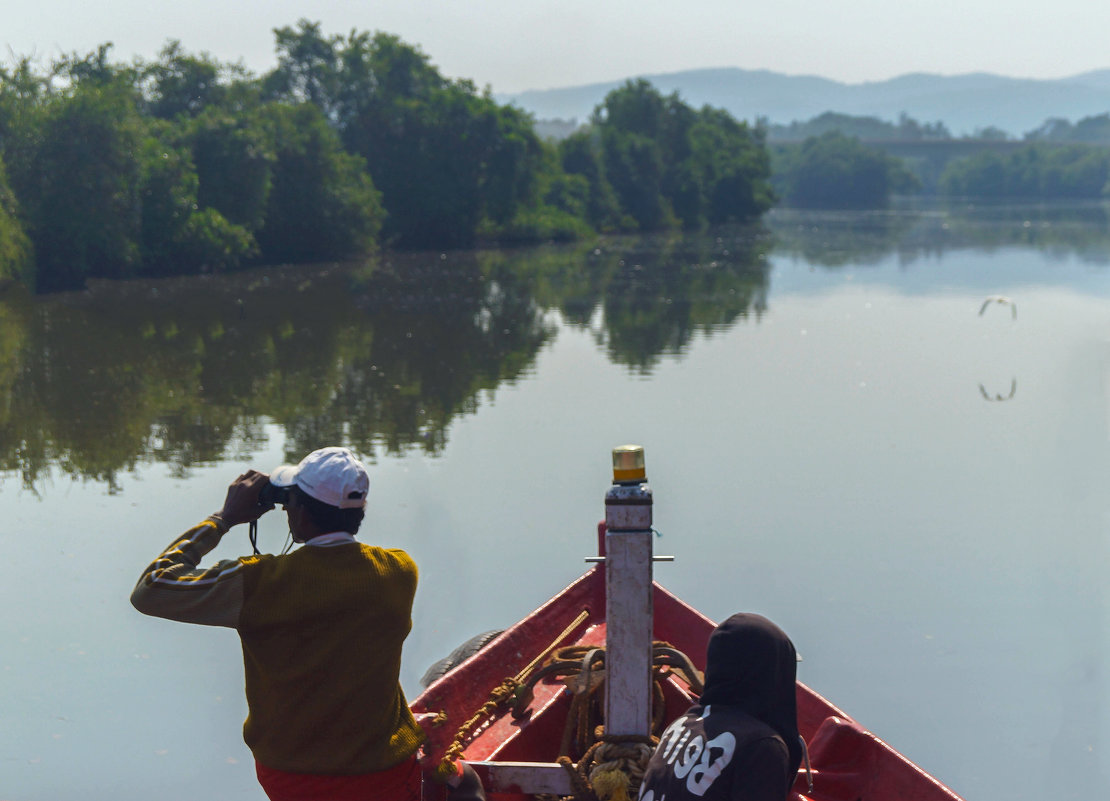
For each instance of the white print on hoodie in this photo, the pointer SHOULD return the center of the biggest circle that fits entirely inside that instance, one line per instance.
(692, 758)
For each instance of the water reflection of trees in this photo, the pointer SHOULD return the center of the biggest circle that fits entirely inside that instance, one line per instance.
(838, 238)
(653, 293)
(663, 292)
(385, 355)
(835, 239)
(185, 373)
(381, 356)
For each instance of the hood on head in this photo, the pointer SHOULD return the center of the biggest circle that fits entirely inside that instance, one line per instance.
(751, 664)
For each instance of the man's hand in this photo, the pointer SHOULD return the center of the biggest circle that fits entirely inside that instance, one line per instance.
(241, 504)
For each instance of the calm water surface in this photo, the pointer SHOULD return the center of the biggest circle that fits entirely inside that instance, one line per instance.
(839, 435)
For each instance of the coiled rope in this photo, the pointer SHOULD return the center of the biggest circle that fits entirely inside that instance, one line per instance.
(611, 767)
(499, 696)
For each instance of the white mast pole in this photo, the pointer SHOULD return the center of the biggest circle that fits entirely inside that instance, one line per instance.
(628, 596)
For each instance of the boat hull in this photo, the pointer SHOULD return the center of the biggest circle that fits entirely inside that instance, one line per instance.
(515, 757)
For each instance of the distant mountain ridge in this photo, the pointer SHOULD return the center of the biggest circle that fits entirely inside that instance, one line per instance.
(964, 103)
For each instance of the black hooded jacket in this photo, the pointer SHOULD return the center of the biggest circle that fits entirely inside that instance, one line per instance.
(740, 742)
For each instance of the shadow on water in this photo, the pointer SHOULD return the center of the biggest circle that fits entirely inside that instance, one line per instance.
(380, 355)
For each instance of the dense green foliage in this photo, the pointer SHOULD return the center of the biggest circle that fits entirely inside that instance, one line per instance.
(837, 171)
(1034, 171)
(860, 127)
(1068, 161)
(322, 202)
(175, 167)
(81, 190)
(652, 161)
(1089, 130)
(16, 261)
(188, 165)
(444, 156)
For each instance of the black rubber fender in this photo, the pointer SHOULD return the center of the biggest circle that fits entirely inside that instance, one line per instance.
(444, 666)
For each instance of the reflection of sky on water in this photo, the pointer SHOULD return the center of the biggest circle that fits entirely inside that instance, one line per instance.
(1008, 267)
(953, 544)
(939, 560)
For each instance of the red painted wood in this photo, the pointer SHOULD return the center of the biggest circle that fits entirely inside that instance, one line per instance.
(466, 688)
(849, 762)
(852, 763)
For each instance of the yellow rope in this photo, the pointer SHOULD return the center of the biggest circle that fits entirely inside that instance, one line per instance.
(554, 644)
(612, 767)
(445, 770)
(501, 694)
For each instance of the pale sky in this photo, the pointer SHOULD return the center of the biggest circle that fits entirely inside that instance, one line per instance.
(513, 45)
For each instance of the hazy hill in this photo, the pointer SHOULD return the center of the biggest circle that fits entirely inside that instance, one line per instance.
(964, 103)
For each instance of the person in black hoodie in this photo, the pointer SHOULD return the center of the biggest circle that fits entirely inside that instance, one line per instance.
(740, 742)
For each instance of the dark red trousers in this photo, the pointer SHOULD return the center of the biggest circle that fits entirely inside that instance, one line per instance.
(399, 783)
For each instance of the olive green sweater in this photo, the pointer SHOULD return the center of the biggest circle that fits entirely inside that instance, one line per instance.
(321, 629)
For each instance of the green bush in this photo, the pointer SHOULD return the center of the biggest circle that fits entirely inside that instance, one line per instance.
(16, 262)
(537, 225)
(838, 171)
(1074, 172)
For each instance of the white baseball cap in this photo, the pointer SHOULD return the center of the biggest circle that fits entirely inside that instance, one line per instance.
(334, 476)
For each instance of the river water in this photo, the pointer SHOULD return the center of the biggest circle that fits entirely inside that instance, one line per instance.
(887, 431)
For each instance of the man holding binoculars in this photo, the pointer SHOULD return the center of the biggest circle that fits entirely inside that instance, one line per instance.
(321, 629)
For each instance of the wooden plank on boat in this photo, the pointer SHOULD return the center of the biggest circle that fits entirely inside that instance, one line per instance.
(523, 777)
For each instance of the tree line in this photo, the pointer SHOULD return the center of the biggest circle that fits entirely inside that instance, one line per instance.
(185, 164)
(834, 170)
(1037, 170)
(836, 160)
(858, 127)
(1092, 130)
